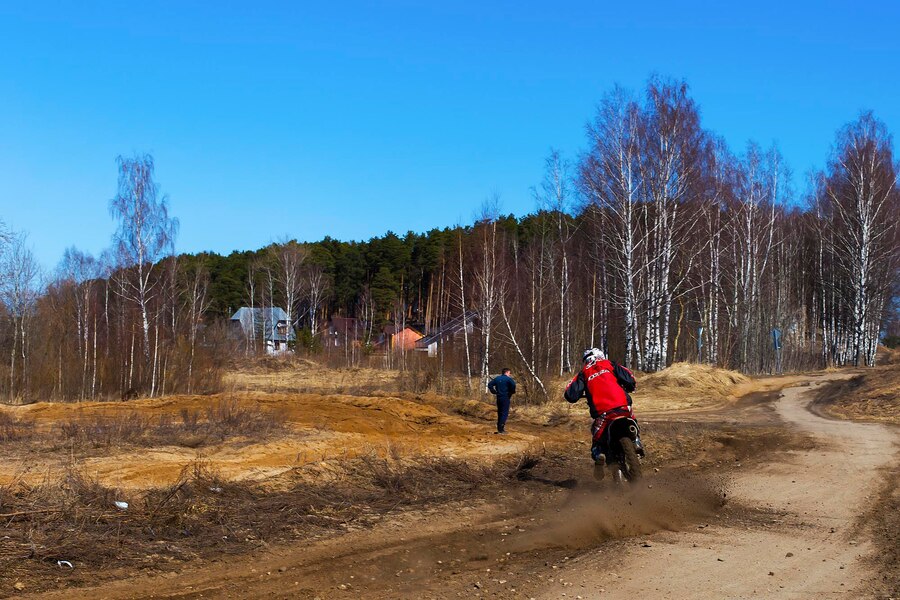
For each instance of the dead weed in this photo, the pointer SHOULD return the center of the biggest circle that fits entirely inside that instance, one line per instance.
(222, 420)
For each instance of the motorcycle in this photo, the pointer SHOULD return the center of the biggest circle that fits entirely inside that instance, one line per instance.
(615, 437)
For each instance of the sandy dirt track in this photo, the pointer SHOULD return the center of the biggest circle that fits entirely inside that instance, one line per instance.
(815, 550)
(322, 427)
(803, 542)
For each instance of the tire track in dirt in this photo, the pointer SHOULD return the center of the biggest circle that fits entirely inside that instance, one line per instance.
(458, 550)
(816, 550)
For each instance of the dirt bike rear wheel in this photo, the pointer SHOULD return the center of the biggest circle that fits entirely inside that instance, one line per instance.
(632, 462)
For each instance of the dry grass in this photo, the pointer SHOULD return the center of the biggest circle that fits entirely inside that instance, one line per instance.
(706, 444)
(871, 396)
(260, 437)
(692, 376)
(222, 420)
(686, 385)
(307, 377)
(554, 413)
(425, 478)
(888, 356)
(314, 379)
(681, 386)
(883, 520)
(278, 374)
(15, 429)
(475, 409)
(75, 518)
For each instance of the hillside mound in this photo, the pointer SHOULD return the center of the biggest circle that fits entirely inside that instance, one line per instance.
(888, 356)
(871, 396)
(686, 385)
(694, 377)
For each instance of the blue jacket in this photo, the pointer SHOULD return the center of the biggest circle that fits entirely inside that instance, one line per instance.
(502, 386)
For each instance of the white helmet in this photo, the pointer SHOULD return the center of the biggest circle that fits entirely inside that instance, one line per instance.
(592, 355)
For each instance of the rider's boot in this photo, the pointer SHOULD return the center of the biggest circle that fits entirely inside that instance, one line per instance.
(639, 446)
(599, 463)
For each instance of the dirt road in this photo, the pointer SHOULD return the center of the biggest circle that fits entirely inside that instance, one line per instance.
(814, 550)
(789, 530)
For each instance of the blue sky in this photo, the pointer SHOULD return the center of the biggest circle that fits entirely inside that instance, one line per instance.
(348, 119)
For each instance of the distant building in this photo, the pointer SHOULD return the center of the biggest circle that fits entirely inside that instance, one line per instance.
(449, 331)
(345, 331)
(270, 325)
(395, 337)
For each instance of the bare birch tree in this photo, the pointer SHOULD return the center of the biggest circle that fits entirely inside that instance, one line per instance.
(862, 201)
(20, 277)
(555, 196)
(464, 313)
(287, 259)
(487, 279)
(315, 287)
(197, 302)
(144, 235)
(671, 144)
(82, 271)
(610, 177)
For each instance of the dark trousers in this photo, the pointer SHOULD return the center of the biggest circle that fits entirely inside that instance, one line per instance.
(502, 412)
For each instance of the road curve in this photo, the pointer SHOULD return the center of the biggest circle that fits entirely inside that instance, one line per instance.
(812, 547)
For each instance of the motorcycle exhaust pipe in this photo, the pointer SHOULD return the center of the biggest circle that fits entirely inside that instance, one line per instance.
(633, 430)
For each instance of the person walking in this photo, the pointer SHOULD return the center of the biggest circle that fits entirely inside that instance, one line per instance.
(503, 386)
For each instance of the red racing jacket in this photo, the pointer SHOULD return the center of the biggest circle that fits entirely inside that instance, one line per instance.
(605, 384)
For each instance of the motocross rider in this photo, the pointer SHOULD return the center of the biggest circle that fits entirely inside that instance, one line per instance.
(606, 385)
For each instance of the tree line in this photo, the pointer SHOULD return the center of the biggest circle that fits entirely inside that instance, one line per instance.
(658, 243)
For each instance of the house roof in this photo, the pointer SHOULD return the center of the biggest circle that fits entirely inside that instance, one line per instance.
(395, 329)
(275, 313)
(265, 319)
(451, 327)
